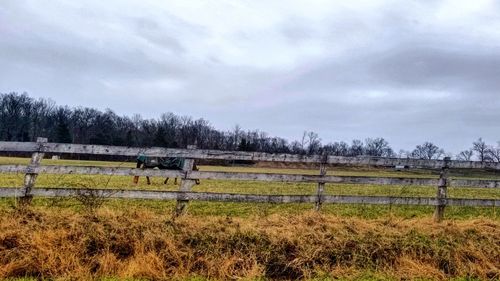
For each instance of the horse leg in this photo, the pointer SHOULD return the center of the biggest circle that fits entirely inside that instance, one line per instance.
(175, 181)
(195, 168)
(166, 180)
(149, 182)
(136, 178)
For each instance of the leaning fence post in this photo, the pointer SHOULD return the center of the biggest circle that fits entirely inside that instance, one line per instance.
(31, 173)
(442, 191)
(321, 185)
(186, 185)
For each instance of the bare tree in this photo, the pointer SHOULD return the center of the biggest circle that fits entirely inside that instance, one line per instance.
(427, 150)
(378, 147)
(481, 148)
(337, 149)
(314, 143)
(494, 153)
(303, 141)
(465, 155)
(357, 148)
(296, 147)
(237, 132)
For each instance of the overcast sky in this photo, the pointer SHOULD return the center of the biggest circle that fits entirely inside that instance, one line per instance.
(408, 71)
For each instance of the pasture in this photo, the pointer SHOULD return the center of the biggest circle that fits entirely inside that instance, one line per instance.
(133, 239)
(269, 188)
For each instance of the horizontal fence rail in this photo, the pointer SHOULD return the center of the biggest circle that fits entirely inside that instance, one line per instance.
(59, 148)
(252, 198)
(273, 177)
(191, 176)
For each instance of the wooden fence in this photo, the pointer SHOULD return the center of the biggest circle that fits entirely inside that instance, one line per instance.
(188, 176)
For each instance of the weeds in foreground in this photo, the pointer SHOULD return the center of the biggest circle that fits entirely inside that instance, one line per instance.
(137, 243)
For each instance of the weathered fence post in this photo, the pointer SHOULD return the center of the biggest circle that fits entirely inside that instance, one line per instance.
(321, 185)
(186, 185)
(30, 177)
(442, 191)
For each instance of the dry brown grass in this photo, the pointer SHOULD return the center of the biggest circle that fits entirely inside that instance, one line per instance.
(59, 243)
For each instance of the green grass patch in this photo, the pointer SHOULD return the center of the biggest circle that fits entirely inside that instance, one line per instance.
(265, 188)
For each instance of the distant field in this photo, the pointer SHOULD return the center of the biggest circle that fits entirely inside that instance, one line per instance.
(253, 187)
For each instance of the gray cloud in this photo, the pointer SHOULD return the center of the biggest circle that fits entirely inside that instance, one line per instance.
(410, 72)
(467, 69)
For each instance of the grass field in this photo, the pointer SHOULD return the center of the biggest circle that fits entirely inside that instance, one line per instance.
(251, 187)
(61, 239)
(138, 244)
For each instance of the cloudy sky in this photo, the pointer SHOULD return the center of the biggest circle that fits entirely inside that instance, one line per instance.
(409, 71)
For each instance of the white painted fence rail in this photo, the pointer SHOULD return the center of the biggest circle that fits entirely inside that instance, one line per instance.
(39, 148)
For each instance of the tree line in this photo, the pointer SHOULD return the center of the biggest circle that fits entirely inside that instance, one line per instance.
(23, 118)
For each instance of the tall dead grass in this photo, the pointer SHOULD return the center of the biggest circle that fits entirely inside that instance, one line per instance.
(58, 243)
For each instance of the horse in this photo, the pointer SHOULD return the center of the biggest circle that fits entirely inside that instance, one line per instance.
(162, 163)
